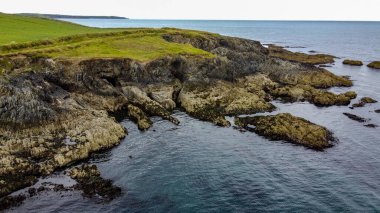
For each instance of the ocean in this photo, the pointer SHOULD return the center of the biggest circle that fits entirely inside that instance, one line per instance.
(198, 167)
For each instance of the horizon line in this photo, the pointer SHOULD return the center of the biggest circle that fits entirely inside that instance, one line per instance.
(185, 19)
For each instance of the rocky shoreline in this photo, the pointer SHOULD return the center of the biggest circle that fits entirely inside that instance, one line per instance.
(54, 112)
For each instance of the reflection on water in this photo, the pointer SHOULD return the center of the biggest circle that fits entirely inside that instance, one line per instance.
(198, 167)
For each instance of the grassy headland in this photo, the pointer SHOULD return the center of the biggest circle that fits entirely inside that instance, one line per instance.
(57, 39)
(18, 29)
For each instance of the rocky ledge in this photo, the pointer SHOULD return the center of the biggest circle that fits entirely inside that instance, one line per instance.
(288, 128)
(54, 112)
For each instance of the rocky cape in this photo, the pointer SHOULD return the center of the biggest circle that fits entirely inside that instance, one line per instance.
(54, 112)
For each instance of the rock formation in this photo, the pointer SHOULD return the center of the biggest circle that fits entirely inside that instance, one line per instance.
(280, 52)
(288, 128)
(353, 62)
(374, 65)
(92, 184)
(54, 112)
(364, 101)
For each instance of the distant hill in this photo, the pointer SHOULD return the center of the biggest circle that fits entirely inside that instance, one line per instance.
(58, 16)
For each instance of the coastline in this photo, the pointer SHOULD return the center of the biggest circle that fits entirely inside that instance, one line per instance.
(88, 90)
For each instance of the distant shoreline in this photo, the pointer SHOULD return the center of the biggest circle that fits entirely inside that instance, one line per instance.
(59, 16)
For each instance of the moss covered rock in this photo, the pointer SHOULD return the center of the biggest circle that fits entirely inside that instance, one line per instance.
(137, 115)
(213, 100)
(374, 65)
(316, 96)
(353, 62)
(280, 52)
(364, 101)
(289, 128)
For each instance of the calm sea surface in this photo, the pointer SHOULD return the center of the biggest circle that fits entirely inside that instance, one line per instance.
(198, 167)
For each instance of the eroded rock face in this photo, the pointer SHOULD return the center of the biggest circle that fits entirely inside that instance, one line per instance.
(288, 128)
(56, 112)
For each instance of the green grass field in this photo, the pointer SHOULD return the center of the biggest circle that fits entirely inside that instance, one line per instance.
(16, 29)
(57, 39)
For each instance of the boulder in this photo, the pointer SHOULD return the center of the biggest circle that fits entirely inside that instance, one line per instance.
(353, 62)
(374, 65)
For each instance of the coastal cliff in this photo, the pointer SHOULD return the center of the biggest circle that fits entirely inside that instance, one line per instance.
(57, 110)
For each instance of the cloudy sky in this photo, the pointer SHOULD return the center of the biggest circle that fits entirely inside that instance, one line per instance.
(205, 9)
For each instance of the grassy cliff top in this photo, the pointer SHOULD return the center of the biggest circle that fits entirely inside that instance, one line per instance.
(17, 29)
(58, 39)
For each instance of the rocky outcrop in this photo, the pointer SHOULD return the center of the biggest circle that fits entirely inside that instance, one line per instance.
(288, 128)
(54, 112)
(280, 52)
(374, 65)
(353, 62)
(312, 95)
(139, 116)
(364, 101)
(213, 100)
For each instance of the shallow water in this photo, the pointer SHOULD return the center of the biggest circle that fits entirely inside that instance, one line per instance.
(198, 167)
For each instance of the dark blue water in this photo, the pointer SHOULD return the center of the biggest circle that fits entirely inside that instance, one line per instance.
(198, 167)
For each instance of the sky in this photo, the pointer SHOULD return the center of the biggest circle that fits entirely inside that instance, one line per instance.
(355, 10)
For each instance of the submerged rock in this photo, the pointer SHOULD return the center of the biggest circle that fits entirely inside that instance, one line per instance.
(289, 128)
(11, 201)
(374, 65)
(353, 62)
(92, 184)
(377, 111)
(355, 117)
(364, 101)
(371, 125)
